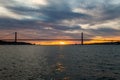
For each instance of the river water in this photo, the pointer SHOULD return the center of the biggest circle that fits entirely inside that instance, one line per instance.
(73, 62)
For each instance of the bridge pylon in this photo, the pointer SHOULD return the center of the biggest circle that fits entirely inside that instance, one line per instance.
(82, 40)
(15, 37)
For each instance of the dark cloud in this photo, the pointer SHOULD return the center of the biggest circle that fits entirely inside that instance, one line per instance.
(66, 28)
(112, 12)
(54, 12)
(8, 23)
(54, 16)
(102, 11)
(51, 14)
(104, 32)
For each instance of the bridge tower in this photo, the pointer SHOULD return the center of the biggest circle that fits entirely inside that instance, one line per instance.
(15, 36)
(82, 40)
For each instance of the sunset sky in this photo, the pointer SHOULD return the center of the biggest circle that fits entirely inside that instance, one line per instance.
(60, 19)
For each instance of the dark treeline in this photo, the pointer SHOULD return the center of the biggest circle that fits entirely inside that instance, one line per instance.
(13, 43)
(107, 43)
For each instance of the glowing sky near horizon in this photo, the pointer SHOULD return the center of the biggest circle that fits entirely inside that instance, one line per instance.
(98, 19)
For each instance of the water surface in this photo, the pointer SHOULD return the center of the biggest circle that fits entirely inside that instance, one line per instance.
(75, 62)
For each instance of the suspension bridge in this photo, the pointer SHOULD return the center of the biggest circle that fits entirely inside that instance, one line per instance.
(14, 38)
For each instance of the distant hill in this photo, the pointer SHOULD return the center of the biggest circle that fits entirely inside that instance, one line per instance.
(107, 43)
(13, 43)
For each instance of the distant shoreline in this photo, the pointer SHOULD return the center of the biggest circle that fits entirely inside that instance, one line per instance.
(107, 43)
(25, 43)
(14, 43)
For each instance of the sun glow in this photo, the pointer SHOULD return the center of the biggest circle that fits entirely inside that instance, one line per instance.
(54, 43)
(62, 43)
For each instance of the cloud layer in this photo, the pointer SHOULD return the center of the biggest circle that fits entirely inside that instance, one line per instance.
(66, 19)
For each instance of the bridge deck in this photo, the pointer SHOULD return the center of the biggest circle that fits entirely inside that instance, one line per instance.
(57, 40)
